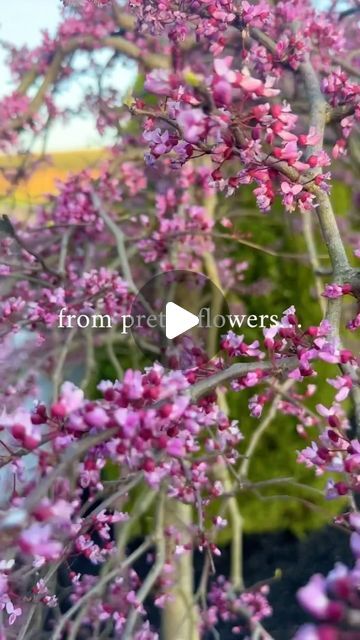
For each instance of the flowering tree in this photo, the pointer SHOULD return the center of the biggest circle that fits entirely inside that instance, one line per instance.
(231, 98)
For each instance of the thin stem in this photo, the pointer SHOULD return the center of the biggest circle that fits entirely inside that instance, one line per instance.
(314, 258)
(99, 586)
(260, 430)
(57, 376)
(155, 572)
(240, 369)
(120, 241)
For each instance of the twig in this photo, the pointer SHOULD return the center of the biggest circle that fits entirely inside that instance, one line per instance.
(341, 268)
(314, 259)
(7, 227)
(157, 116)
(240, 369)
(120, 241)
(264, 424)
(99, 586)
(90, 363)
(109, 343)
(74, 452)
(155, 572)
(63, 250)
(61, 361)
(236, 521)
(138, 508)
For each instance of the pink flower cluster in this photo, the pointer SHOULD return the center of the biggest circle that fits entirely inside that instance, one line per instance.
(228, 606)
(334, 600)
(218, 106)
(225, 136)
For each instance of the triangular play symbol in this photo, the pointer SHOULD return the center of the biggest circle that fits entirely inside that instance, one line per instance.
(178, 320)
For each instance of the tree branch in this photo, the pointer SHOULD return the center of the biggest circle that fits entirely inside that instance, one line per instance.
(155, 572)
(238, 370)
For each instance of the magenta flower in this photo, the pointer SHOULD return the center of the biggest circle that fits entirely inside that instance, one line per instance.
(37, 541)
(192, 123)
(159, 82)
(333, 291)
(313, 597)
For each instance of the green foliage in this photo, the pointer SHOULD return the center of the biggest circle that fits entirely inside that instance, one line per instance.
(341, 198)
(291, 282)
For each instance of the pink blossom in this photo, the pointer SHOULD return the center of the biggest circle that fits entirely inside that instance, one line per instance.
(12, 612)
(313, 598)
(4, 270)
(333, 291)
(255, 15)
(22, 428)
(37, 541)
(310, 632)
(159, 82)
(192, 122)
(355, 543)
(312, 138)
(71, 399)
(290, 191)
(223, 69)
(343, 384)
(175, 447)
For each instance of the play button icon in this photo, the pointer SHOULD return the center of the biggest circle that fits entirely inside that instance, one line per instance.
(178, 320)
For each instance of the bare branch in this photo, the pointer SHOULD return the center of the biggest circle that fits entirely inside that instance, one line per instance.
(155, 572)
(120, 241)
(9, 229)
(237, 370)
(261, 428)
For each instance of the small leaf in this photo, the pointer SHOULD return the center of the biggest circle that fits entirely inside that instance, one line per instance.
(192, 79)
(128, 99)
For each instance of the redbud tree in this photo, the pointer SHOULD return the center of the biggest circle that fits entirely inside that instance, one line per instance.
(235, 102)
